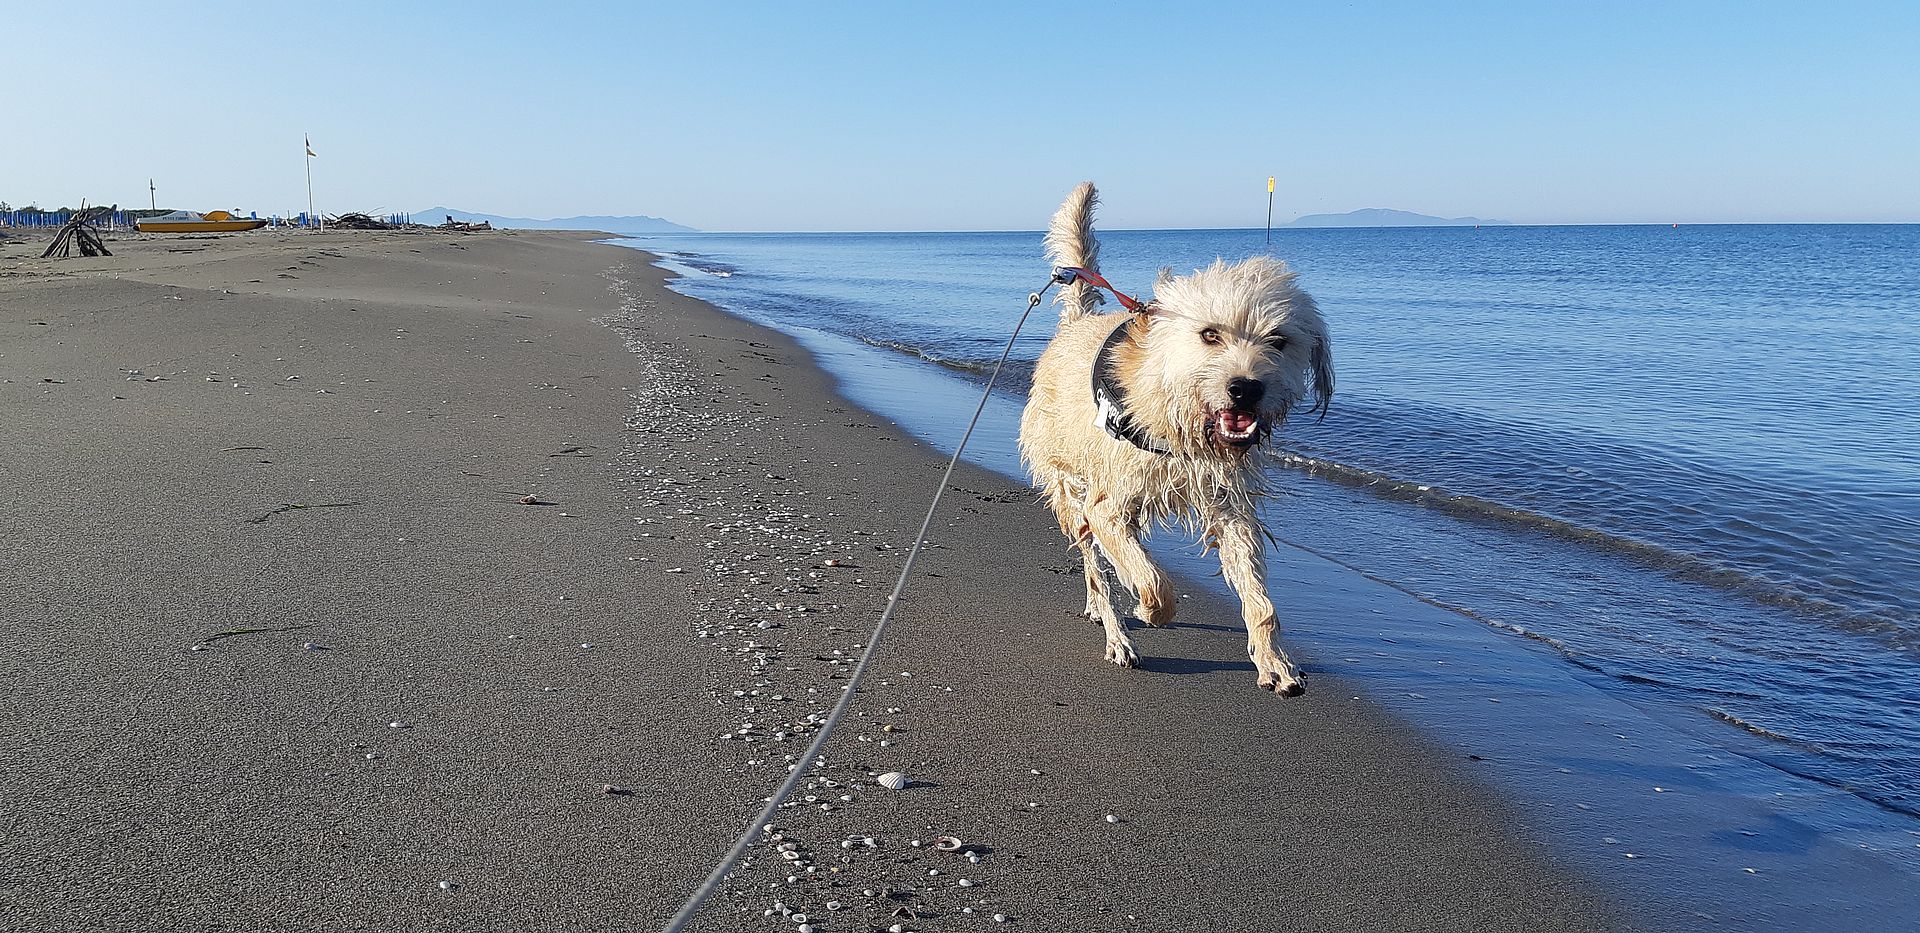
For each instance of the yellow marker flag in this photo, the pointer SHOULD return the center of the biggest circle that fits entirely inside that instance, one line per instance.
(1269, 184)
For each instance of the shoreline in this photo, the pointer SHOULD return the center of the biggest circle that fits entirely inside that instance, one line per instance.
(438, 378)
(966, 722)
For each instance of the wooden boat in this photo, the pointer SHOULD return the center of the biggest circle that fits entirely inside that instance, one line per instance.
(190, 222)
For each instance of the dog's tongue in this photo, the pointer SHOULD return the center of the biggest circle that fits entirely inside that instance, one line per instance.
(1235, 421)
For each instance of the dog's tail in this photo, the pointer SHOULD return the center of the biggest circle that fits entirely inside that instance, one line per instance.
(1070, 242)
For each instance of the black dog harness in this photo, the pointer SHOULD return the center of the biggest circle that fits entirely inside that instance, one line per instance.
(1110, 399)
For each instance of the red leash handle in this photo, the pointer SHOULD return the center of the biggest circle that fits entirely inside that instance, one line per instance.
(1066, 275)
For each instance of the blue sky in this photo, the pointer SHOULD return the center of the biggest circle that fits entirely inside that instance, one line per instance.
(963, 116)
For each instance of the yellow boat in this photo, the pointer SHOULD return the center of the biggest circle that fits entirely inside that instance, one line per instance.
(190, 222)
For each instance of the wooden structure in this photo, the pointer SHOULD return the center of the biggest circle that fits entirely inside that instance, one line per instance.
(79, 229)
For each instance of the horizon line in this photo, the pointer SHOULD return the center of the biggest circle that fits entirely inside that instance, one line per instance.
(1289, 227)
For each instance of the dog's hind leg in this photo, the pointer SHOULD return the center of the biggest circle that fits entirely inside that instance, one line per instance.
(1096, 580)
(1062, 496)
(1243, 563)
(1100, 608)
(1136, 570)
(1065, 503)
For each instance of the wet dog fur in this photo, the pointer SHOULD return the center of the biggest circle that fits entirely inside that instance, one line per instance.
(1217, 362)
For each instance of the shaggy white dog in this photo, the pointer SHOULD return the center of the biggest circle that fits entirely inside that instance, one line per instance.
(1158, 417)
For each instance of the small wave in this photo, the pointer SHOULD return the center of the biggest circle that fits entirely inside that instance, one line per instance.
(918, 352)
(1764, 732)
(1678, 564)
(712, 267)
(1524, 632)
(1890, 800)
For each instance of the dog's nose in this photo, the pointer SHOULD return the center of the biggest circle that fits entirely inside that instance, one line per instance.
(1244, 392)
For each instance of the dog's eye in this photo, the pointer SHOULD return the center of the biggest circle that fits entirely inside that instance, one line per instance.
(1277, 341)
(1210, 336)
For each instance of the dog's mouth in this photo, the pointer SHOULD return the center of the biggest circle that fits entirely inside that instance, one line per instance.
(1235, 427)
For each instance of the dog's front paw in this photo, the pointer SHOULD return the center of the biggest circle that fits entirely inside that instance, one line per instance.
(1277, 672)
(1284, 680)
(1120, 651)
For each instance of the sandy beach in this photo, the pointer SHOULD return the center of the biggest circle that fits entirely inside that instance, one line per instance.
(286, 651)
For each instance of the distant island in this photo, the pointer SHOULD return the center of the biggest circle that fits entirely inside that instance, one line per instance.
(1383, 217)
(639, 223)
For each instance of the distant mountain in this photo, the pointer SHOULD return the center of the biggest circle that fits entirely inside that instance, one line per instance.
(1382, 217)
(433, 216)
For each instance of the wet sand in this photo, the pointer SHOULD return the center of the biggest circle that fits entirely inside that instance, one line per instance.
(253, 445)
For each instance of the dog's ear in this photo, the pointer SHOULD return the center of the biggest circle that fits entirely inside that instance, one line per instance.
(1322, 363)
(1165, 276)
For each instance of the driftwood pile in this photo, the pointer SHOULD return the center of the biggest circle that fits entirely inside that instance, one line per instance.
(79, 229)
(358, 221)
(459, 227)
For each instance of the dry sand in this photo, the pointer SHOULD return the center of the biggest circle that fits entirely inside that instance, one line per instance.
(253, 444)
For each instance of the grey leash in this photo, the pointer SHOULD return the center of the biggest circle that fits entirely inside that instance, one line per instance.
(813, 756)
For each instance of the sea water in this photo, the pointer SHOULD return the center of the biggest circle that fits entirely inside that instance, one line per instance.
(1686, 458)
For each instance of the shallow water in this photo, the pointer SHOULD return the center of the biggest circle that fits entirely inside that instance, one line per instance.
(1686, 458)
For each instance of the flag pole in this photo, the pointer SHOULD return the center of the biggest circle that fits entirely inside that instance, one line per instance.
(1269, 210)
(314, 217)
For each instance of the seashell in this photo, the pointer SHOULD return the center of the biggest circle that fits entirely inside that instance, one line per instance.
(949, 844)
(1112, 819)
(905, 913)
(448, 885)
(893, 780)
